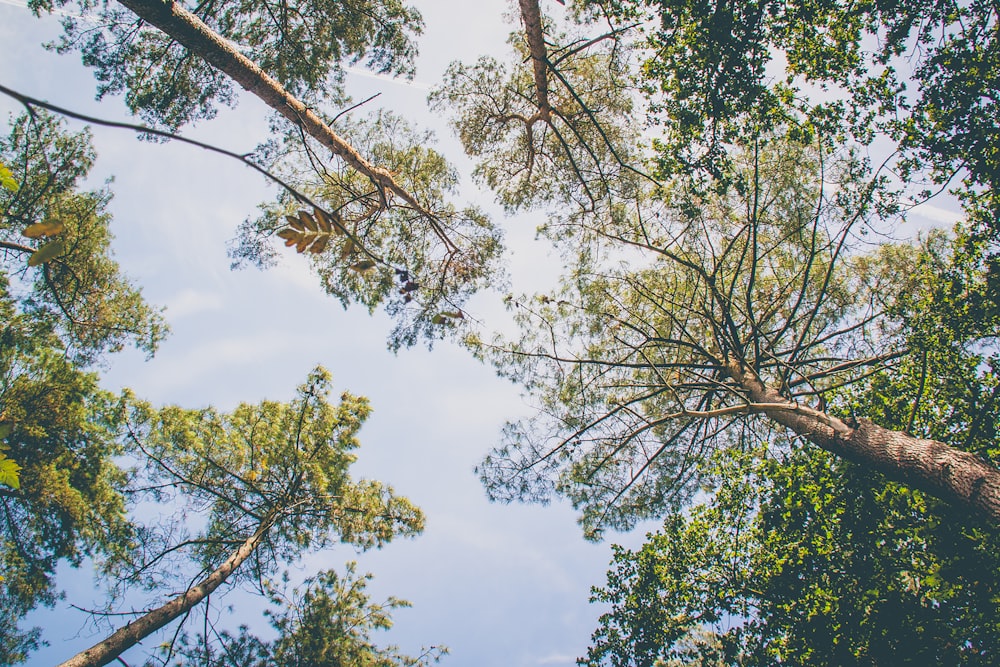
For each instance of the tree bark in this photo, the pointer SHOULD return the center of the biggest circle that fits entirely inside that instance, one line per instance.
(125, 638)
(531, 14)
(194, 35)
(955, 476)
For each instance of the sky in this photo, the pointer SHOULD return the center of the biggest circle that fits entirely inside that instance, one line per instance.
(499, 585)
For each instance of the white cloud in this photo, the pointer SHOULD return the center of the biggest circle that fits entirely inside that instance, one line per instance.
(937, 214)
(190, 301)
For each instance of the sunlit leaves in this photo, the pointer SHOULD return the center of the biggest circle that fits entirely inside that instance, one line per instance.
(310, 231)
(284, 460)
(47, 253)
(79, 287)
(304, 46)
(39, 230)
(9, 470)
(7, 180)
(380, 252)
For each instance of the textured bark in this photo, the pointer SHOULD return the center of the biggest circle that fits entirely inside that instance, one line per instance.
(125, 638)
(194, 35)
(532, 17)
(958, 477)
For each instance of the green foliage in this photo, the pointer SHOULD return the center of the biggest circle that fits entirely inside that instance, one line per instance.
(302, 45)
(76, 284)
(61, 307)
(277, 467)
(329, 622)
(7, 181)
(922, 73)
(414, 265)
(802, 559)
(61, 434)
(9, 471)
(326, 621)
(799, 558)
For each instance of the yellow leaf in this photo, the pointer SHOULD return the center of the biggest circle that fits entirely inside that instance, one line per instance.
(288, 233)
(303, 243)
(46, 253)
(40, 229)
(363, 265)
(295, 224)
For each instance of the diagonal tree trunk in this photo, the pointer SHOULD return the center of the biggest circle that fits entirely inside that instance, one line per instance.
(958, 477)
(198, 38)
(108, 649)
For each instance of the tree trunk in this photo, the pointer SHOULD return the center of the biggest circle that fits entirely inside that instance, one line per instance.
(532, 17)
(958, 477)
(125, 638)
(198, 38)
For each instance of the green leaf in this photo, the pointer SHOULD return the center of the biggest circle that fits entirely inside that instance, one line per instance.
(9, 473)
(7, 181)
(46, 253)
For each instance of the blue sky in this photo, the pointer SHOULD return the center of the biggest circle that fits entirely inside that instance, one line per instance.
(500, 585)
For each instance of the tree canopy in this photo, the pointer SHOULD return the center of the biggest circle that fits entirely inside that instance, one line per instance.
(741, 344)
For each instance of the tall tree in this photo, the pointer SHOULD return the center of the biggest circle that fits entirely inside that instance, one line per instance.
(271, 484)
(706, 317)
(799, 558)
(418, 254)
(57, 426)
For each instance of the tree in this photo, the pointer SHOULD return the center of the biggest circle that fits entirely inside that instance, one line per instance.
(922, 74)
(270, 482)
(57, 426)
(401, 231)
(79, 289)
(797, 557)
(705, 318)
(327, 621)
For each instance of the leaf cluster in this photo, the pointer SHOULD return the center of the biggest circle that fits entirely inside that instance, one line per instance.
(302, 45)
(417, 264)
(922, 73)
(75, 282)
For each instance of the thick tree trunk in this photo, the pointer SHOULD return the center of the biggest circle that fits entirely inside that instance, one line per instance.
(953, 475)
(125, 638)
(532, 17)
(201, 40)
